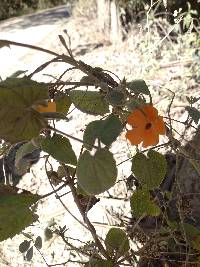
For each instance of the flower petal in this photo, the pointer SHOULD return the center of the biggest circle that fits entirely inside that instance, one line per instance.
(151, 138)
(134, 137)
(159, 125)
(136, 118)
(150, 112)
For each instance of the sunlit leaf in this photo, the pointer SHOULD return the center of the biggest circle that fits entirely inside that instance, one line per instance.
(89, 102)
(141, 204)
(18, 120)
(59, 148)
(97, 173)
(117, 241)
(150, 170)
(63, 103)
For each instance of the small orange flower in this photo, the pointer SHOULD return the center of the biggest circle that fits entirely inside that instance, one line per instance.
(146, 126)
(51, 107)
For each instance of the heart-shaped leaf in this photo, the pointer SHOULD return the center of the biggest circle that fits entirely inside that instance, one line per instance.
(97, 173)
(20, 124)
(59, 148)
(91, 133)
(15, 214)
(63, 103)
(18, 120)
(141, 204)
(117, 241)
(151, 170)
(106, 130)
(111, 127)
(89, 102)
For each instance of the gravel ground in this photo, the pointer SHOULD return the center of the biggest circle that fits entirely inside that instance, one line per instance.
(133, 59)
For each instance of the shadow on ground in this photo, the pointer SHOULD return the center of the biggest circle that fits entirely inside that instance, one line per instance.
(48, 17)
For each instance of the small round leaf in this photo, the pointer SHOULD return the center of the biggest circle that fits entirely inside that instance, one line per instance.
(24, 246)
(116, 240)
(29, 254)
(38, 242)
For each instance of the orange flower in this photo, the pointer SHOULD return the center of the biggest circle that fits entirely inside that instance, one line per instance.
(51, 107)
(146, 126)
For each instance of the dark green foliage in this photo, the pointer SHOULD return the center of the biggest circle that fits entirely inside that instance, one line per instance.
(135, 10)
(10, 8)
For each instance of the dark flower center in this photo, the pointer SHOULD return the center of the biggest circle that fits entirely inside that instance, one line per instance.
(148, 126)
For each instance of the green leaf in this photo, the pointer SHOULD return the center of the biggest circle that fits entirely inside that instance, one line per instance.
(80, 191)
(111, 127)
(115, 98)
(38, 242)
(18, 124)
(59, 148)
(29, 254)
(89, 102)
(48, 234)
(15, 214)
(106, 130)
(141, 204)
(138, 87)
(191, 231)
(62, 173)
(194, 113)
(63, 104)
(193, 235)
(91, 133)
(24, 246)
(97, 173)
(18, 120)
(151, 170)
(117, 241)
(135, 103)
(22, 92)
(196, 243)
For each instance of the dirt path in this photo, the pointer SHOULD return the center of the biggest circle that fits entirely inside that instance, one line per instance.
(35, 29)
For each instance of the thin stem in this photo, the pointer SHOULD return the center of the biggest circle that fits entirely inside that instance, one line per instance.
(69, 136)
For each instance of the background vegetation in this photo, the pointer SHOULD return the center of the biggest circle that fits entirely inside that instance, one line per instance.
(10, 8)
